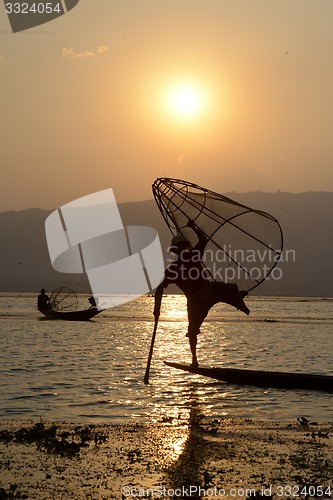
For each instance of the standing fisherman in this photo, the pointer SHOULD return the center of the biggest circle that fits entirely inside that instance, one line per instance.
(189, 274)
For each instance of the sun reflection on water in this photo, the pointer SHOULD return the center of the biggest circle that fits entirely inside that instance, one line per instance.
(174, 445)
(175, 309)
(95, 372)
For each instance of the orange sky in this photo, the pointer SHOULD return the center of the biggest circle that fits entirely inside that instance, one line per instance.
(85, 99)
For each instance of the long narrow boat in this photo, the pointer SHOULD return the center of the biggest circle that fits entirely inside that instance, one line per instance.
(260, 378)
(83, 315)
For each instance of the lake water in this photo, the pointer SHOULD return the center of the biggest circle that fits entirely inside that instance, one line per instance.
(93, 371)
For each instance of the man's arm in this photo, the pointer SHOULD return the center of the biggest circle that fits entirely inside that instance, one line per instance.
(203, 240)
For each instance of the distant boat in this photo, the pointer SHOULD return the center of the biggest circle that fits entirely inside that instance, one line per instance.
(84, 315)
(63, 305)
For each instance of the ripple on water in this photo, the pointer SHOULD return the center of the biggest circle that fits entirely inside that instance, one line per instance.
(94, 371)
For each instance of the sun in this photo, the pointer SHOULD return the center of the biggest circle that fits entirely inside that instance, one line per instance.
(181, 106)
(184, 101)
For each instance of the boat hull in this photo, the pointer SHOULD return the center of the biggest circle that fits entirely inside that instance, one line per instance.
(84, 315)
(260, 378)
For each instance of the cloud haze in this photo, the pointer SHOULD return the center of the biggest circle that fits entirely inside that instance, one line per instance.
(84, 107)
(72, 54)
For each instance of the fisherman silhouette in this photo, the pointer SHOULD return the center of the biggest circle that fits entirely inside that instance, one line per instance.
(43, 301)
(189, 273)
(92, 301)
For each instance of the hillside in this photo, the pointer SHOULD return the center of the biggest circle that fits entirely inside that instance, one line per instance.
(305, 219)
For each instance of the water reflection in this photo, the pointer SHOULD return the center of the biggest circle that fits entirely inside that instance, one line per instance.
(184, 473)
(174, 309)
(94, 372)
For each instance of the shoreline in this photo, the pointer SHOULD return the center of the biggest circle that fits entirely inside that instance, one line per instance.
(197, 458)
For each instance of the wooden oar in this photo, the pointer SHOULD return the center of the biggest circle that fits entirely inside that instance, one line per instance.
(146, 378)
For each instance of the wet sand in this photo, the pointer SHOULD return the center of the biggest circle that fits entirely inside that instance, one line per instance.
(173, 458)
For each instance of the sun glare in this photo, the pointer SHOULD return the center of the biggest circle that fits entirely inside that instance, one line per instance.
(184, 101)
(182, 106)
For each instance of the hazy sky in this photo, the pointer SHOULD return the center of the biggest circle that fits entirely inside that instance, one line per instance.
(236, 95)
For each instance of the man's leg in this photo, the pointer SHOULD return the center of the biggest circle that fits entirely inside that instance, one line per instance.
(197, 312)
(193, 346)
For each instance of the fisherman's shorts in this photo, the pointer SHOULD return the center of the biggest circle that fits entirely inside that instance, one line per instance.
(200, 302)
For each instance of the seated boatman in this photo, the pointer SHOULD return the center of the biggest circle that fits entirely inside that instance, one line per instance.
(43, 301)
(187, 271)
